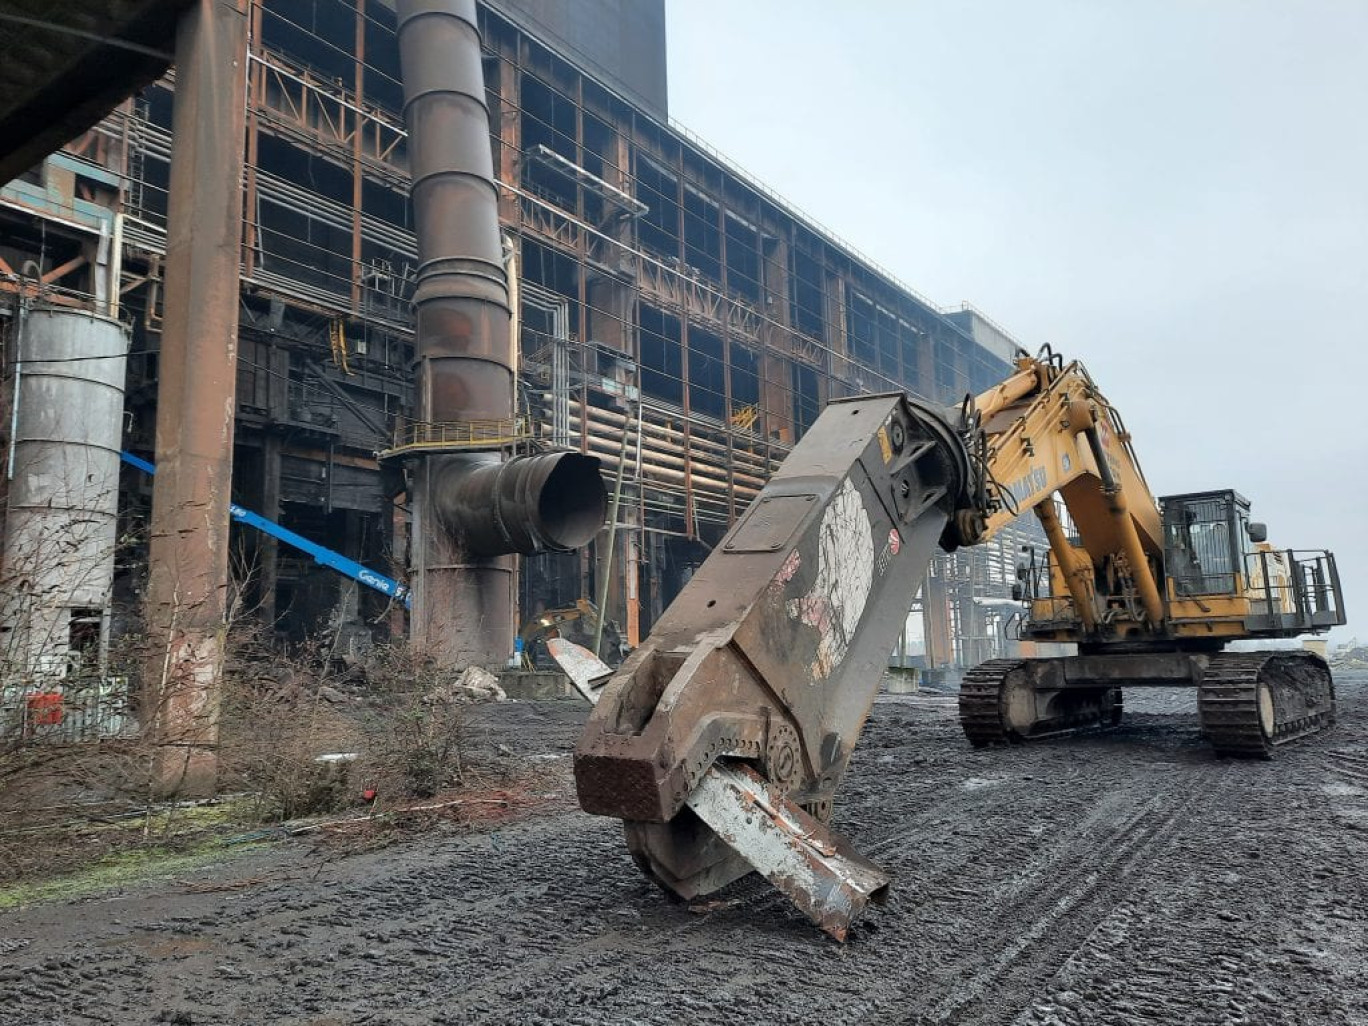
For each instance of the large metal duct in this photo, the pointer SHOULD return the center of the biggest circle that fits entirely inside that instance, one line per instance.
(471, 509)
(60, 529)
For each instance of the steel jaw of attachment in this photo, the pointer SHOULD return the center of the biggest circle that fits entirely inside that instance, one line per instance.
(721, 741)
(815, 867)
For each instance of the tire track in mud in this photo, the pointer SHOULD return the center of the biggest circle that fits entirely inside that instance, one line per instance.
(754, 903)
(672, 929)
(441, 929)
(1039, 914)
(1264, 915)
(940, 878)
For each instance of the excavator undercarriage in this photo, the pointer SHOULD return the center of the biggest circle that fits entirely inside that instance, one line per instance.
(1249, 703)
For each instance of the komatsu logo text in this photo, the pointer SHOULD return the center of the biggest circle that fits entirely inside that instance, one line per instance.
(1027, 485)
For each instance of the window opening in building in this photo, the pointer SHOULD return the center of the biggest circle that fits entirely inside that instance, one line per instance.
(707, 374)
(805, 294)
(860, 339)
(658, 188)
(807, 401)
(662, 359)
(743, 258)
(702, 235)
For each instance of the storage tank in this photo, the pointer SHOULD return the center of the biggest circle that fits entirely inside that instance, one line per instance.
(63, 468)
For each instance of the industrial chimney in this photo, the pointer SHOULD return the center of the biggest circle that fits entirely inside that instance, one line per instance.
(473, 505)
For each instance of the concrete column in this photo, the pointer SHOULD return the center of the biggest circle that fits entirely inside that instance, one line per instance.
(187, 588)
(940, 649)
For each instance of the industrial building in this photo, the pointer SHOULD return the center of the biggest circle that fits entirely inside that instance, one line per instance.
(675, 318)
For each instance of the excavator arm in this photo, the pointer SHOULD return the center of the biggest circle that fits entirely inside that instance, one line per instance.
(722, 739)
(1048, 430)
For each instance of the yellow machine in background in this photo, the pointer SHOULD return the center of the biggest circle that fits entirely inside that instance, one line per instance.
(576, 623)
(1149, 591)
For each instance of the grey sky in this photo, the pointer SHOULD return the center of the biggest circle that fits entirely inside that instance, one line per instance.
(1175, 193)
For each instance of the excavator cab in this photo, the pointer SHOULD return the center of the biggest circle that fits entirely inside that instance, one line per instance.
(1206, 540)
(1213, 551)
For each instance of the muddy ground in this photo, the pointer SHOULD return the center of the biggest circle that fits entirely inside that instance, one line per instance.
(1127, 878)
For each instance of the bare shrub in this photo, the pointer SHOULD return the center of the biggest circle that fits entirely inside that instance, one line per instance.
(417, 727)
(275, 724)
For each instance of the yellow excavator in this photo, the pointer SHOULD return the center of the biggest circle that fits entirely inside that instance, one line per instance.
(721, 741)
(577, 623)
(1150, 592)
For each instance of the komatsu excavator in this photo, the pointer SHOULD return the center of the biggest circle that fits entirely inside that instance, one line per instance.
(721, 741)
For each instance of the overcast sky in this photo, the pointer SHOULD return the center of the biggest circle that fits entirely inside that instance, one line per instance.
(1174, 192)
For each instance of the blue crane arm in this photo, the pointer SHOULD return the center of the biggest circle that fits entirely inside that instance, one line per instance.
(322, 555)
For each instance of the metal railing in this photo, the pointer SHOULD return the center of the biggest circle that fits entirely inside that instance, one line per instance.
(443, 436)
(67, 711)
(1294, 590)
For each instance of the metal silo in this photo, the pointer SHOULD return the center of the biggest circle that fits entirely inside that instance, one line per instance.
(63, 477)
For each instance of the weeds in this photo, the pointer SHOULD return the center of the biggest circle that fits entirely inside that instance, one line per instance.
(298, 735)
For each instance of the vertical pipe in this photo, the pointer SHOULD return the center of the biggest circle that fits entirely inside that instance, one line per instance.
(257, 91)
(188, 559)
(472, 509)
(612, 540)
(358, 96)
(462, 604)
(21, 308)
(270, 507)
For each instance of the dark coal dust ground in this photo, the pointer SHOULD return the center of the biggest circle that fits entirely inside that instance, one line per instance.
(1127, 878)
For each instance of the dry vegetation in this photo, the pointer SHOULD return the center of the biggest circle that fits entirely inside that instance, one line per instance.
(394, 724)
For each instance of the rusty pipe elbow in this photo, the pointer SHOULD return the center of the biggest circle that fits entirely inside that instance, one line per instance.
(553, 502)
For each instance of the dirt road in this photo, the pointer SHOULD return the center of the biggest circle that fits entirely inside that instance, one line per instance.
(1130, 878)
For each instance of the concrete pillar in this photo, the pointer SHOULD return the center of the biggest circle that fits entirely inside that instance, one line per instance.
(187, 587)
(940, 649)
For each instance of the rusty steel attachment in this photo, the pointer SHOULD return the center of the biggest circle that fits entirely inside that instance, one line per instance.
(462, 576)
(770, 659)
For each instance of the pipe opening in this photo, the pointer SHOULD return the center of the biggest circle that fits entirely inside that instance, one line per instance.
(554, 502)
(572, 503)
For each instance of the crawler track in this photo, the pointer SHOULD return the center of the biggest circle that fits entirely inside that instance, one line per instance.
(1251, 703)
(980, 702)
(983, 707)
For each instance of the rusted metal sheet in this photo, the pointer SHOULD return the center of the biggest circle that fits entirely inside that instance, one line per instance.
(188, 558)
(773, 652)
(813, 865)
